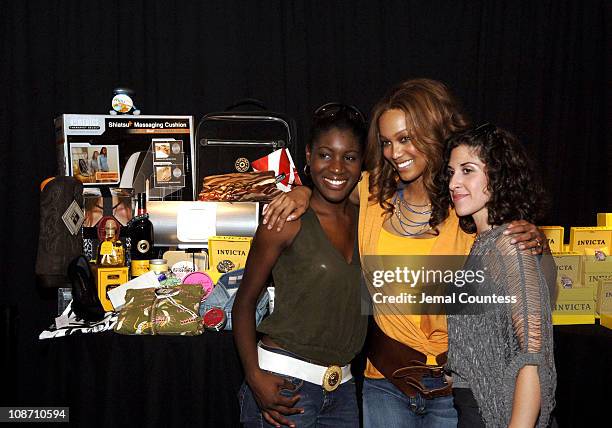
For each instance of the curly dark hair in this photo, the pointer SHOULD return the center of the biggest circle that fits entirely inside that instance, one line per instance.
(433, 114)
(516, 192)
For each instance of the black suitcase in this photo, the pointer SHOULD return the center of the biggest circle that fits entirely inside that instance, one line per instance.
(229, 141)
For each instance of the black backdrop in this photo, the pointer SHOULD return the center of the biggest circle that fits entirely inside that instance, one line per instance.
(537, 68)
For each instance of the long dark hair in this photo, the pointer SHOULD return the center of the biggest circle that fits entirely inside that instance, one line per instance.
(433, 114)
(515, 189)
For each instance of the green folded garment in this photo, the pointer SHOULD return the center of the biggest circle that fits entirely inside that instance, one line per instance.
(165, 310)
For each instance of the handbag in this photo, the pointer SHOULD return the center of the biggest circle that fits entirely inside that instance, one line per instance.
(229, 141)
(164, 310)
(224, 294)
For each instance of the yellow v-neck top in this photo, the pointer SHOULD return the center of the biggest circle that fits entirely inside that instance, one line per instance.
(394, 245)
(425, 333)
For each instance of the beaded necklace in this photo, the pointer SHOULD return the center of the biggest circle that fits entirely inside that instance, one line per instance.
(407, 226)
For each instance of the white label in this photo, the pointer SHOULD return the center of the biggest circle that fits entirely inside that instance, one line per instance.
(117, 294)
(196, 221)
(271, 303)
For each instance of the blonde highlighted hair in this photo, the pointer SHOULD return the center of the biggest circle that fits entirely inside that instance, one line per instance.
(433, 114)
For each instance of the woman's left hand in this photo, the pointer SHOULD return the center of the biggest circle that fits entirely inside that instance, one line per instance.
(527, 235)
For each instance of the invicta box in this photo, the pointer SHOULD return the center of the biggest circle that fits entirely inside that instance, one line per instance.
(227, 253)
(574, 306)
(569, 270)
(590, 240)
(594, 270)
(603, 305)
(554, 235)
(604, 219)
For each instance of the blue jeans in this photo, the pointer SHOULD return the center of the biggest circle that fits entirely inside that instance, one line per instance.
(384, 405)
(321, 408)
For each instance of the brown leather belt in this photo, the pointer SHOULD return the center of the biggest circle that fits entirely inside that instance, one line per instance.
(403, 366)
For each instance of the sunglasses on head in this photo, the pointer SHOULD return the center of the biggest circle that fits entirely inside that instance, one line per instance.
(331, 109)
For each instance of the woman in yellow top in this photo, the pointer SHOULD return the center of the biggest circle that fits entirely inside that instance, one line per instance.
(408, 130)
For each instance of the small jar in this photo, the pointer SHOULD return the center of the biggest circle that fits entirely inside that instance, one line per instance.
(214, 319)
(158, 266)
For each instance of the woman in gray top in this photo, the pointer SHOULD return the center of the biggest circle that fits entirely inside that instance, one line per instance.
(500, 338)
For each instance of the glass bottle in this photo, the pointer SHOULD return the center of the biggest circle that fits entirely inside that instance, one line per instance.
(141, 238)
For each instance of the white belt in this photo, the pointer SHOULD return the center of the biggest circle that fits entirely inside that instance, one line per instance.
(328, 377)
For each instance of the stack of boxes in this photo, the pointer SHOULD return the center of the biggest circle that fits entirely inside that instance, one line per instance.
(584, 273)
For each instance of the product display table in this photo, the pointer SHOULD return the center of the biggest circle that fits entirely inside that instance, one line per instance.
(110, 380)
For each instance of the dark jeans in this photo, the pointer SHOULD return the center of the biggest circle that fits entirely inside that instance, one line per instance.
(336, 409)
(386, 406)
(321, 408)
(467, 409)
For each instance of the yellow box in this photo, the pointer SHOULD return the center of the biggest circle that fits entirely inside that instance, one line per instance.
(575, 294)
(588, 239)
(235, 249)
(569, 269)
(591, 265)
(593, 270)
(554, 235)
(566, 319)
(603, 303)
(107, 279)
(606, 320)
(604, 219)
(574, 306)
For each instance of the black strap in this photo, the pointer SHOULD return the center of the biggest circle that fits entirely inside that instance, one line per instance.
(107, 204)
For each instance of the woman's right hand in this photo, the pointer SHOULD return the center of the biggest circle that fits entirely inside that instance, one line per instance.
(266, 389)
(287, 207)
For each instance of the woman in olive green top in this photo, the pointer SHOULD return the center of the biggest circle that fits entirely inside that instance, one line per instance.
(299, 374)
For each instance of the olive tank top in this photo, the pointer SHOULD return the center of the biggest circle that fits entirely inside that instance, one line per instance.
(317, 309)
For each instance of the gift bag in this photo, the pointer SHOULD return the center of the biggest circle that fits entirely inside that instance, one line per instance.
(164, 310)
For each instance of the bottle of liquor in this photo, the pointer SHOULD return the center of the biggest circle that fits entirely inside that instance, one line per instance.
(110, 251)
(141, 238)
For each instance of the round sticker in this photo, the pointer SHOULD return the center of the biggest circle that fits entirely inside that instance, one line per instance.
(242, 164)
(122, 103)
(143, 246)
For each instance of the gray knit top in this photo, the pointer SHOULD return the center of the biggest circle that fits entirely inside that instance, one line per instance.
(487, 348)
